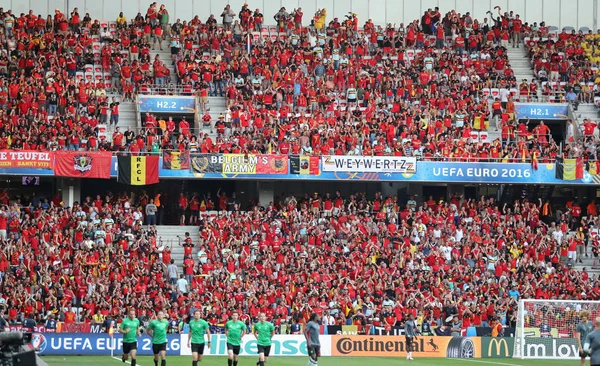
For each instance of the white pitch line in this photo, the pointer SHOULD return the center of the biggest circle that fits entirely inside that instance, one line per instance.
(118, 359)
(491, 363)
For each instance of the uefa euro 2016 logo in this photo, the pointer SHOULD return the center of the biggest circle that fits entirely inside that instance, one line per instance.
(39, 342)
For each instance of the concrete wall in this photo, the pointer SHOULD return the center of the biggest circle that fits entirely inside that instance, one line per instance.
(560, 13)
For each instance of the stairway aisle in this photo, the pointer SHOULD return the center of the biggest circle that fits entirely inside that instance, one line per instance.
(519, 62)
(169, 233)
(165, 56)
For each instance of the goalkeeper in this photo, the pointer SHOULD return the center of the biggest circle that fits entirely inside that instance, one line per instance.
(582, 330)
(592, 344)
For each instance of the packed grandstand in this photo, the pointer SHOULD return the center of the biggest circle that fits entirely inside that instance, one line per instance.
(319, 87)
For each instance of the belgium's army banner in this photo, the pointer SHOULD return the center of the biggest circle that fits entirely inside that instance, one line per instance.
(239, 164)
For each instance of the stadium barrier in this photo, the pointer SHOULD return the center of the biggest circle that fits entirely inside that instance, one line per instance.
(283, 345)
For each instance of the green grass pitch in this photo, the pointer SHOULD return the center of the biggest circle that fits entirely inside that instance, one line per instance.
(302, 361)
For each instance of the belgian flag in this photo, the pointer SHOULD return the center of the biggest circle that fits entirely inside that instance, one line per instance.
(138, 170)
(569, 169)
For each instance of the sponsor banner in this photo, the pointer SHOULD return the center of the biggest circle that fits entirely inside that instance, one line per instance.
(205, 163)
(162, 103)
(383, 346)
(536, 347)
(176, 160)
(369, 164)
(283, 345)
(88, 164)
(19, 328)
(26, 159)
(541, 111)
(96, 344)
(497, 347)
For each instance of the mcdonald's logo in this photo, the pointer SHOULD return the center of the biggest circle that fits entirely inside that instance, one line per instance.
(498, 347)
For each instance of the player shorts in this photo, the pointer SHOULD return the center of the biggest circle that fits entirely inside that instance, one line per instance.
(409, 342)
(158, 347)
(583, 354)
(264, 349)
(198, 348)
(314, 351)
(235, 349)
(128, 347)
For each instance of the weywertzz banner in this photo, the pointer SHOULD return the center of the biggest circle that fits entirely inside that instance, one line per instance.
(369, 164)
(88, 164)
(26, 159)
(176, 160)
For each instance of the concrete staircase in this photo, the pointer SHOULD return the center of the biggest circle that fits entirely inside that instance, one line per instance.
(585, 110)
(165, 56)
(217, 105)
(169, 233)
(519, 62)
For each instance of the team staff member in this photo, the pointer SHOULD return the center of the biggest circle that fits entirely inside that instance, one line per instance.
(582, 330)
(592, 344)
(130, 328)
(198, 327)
(410, 331)
(263, 331)
(311, 332)
(234, 331)
(158, 331)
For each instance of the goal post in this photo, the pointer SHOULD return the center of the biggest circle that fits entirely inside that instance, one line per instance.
(546, 328)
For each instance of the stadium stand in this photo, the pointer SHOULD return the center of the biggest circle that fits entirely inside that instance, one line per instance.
(418, 90)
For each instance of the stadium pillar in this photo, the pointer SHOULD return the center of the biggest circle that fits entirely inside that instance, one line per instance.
(266, 192)
(70, 190)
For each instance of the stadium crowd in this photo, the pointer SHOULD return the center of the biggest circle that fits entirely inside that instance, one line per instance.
(355, 260)
(421, 89)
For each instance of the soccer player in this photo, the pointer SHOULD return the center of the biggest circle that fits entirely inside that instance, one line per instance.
(234, 331)
(196, 337)
(311, 332)
(130, 328)
(584, 328)
(592, 344)
(410, 332)
(158, 331)
(263, 331)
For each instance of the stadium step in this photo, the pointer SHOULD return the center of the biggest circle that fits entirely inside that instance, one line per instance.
(585, 111)
(165, 56)
(520, 63)
(169, 233)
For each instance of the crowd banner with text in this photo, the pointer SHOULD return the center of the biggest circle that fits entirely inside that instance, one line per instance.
(283, 345)
(205, 163)
(176, 160)
(84, 164)
(96, 344)
(497, 347)
(383, 346)
(138, 170)
(305, 165)
(369, 164)
(26, 159)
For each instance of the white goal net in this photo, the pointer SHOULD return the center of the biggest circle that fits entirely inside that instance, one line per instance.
(546, 328)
